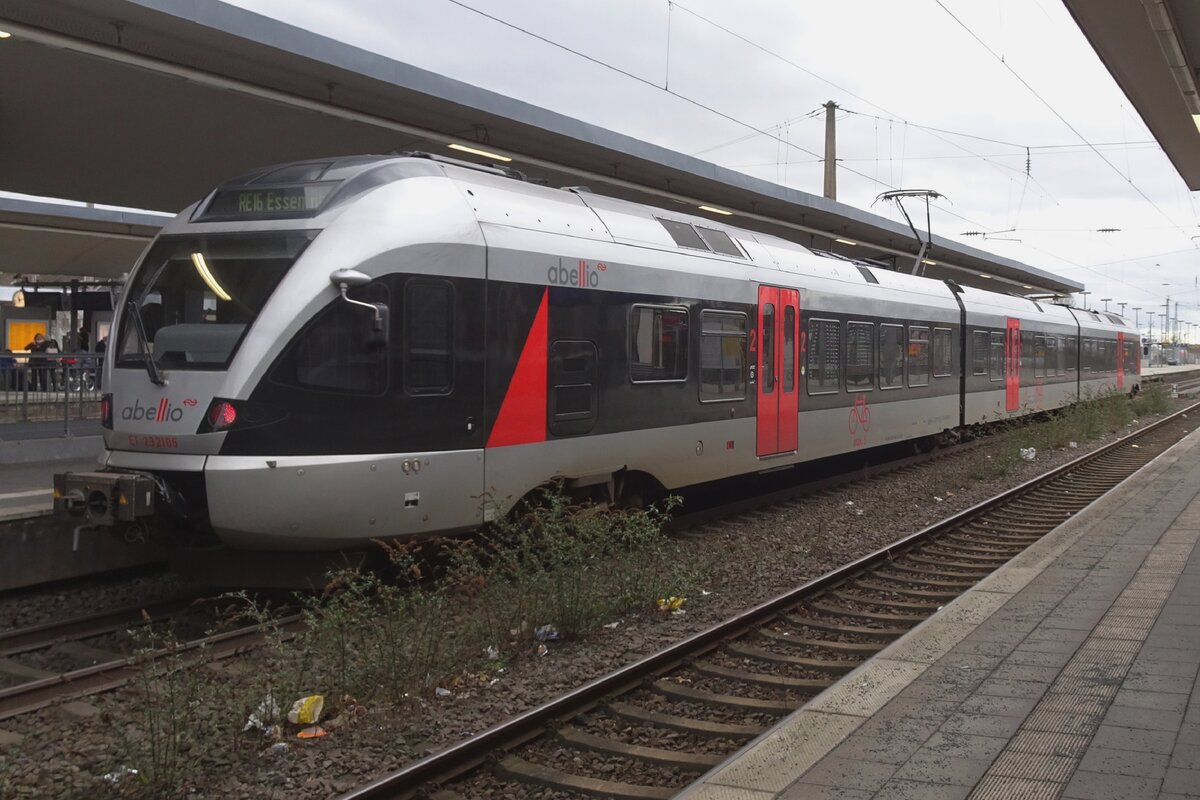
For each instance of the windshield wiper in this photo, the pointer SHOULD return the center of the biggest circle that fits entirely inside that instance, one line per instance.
(144, 344)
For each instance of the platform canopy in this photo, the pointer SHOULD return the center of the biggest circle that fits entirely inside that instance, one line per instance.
(54, 240)
(151, 103)
(1152, 49)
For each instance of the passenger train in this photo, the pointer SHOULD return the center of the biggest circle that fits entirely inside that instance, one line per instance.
(324, 353)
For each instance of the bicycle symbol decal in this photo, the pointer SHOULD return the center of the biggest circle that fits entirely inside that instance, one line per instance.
(860, 420)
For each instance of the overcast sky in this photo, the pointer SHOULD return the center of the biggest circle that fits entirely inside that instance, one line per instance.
(741, 85)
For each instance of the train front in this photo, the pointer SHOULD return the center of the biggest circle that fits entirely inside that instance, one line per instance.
(247, 377)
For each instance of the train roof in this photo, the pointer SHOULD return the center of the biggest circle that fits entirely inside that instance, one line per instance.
(313, 193)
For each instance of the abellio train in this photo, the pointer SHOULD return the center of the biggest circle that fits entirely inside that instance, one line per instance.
(324, 353)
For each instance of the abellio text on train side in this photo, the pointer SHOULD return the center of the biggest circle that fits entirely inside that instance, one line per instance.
(582, 274)
(163, 411)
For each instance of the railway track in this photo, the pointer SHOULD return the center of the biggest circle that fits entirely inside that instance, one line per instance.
(649, 729)
(103, 668)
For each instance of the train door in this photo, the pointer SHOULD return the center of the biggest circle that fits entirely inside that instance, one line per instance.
(1012, 366)
(778, 386)
(1120, 360)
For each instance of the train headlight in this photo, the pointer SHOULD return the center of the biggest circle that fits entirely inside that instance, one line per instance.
(106, 408)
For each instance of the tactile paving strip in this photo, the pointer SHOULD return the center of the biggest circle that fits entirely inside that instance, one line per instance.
(1045, 752)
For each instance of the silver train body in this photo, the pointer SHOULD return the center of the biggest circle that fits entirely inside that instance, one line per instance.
(321, 354)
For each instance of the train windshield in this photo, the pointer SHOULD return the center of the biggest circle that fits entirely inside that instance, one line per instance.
(196, 297)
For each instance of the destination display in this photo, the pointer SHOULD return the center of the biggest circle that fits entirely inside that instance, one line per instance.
(265, 202)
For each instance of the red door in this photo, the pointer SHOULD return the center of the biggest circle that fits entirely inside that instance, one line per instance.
(1012, 366)
(778, 373)
(1120, 360)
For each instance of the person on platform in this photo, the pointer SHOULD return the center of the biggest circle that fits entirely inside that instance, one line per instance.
(37, 362)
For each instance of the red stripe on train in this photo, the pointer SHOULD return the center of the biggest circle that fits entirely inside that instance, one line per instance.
(522, 417)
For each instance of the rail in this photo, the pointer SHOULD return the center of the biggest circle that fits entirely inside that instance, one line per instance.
(49, 394)
(414, 778)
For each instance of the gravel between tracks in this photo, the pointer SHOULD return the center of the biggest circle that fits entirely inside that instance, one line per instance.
(62, 755)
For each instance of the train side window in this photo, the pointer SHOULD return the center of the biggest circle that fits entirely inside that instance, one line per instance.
(1071, 352)
(428, 336)
(1039, 356)
(334, 353)
(979, 353)
(658, 344)
(824, 356)
(891, 356)
(996, 357)
(789, 348)
(571, 406)
(943, 353)
(918, 356)
(860, 356)
(722, 356)
(1089, 354)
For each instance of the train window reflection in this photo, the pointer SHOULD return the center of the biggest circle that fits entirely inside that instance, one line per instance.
(428, 336)
(996, 358)
(658, 344)
(860, 357)
(918, 356)
(334, 353)
(979, 353)
(943, 353)
(197, 297)
(824, 363)
(891, 356)
(722, 356)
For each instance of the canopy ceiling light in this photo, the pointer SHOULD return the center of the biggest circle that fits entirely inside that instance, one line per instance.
(477, 152)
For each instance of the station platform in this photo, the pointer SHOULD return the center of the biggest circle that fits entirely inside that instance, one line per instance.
(1070, 672)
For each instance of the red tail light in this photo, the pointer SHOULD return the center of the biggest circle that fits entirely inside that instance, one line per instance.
(106, 417)
(221, 415)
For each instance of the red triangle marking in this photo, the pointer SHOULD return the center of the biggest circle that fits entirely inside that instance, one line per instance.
(522, 417)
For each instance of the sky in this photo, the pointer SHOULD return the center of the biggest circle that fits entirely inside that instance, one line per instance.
(999, 105)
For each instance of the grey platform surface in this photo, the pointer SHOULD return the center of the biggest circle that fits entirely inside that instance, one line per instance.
(1070, 672)
(27, 488)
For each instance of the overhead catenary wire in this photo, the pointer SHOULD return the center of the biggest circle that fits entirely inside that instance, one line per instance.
(1056, 112)
(638, 78)
(757, 130)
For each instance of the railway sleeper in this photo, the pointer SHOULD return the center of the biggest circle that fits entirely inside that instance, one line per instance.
(917, 578)
(518, 769)
(691, 762)
(1019, 520)
(997, 534)
(859, 613)
(839, 627)
(761, 678)
(697, 727)
(922, 593)
(853, 597)
(1006, 550)
(975, 570)
(679, 691)
(1015, 544)
(757, 653)
(947, 551)
(859, 648)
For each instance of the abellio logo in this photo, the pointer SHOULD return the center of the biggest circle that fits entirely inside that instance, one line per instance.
(582, 274)
(162, 412)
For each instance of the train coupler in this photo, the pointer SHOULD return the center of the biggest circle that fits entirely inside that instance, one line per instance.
(104, 499)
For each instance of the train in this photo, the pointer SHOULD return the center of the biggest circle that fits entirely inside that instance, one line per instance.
(321, 354)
